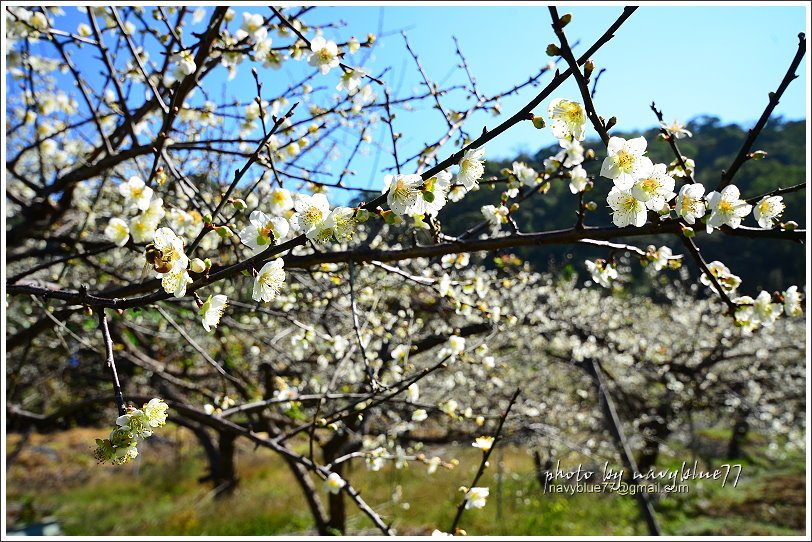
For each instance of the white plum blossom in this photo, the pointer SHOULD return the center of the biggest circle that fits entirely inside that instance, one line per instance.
(457, 260)
(323, 54)
(212, 310)
(626, 209)
(400, 352)
(526, 175)
(660, 257)
(311, 211)
(571, 153)
(456, 344)
(136, 192)
(269, 281)
(655, 189)
(727, 280)
(143, 226)
(457, 192)
(253, 25)
(413, 392)
(175, 281)
(263, 230)
(281, 201)
(483, 443)
(184, 63)
(568, 119)
(676, 129)
(438, 187)
(476, 497)
(334, 483)
(745, 315)
(726, 208)
(136, 422)
(496, 216)
(449, 407)
(376, 459)
(471, 168)
(419, 415)
(690, 205)
(351, 80)
(171, 250)
(432, 464)
(339, 224)
(402, 192)
(117, 231)
(578, 179)
(765, 310)
(792, 302)
(156, 411)
(602, 272)
(676, 170)
(625, 162)
(767, 210)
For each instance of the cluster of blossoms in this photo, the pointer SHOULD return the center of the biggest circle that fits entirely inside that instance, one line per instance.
(761, 311)
(410, 195)
(569, 127)
(135, 425)
(310, 215)
(139, 197)
(168, 257)
(641, 186)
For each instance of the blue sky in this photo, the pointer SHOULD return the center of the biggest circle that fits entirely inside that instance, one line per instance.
(691, 60)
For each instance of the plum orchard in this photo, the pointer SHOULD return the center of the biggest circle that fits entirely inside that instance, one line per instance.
(200, 237)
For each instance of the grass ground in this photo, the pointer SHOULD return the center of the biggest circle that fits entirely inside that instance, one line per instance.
(55, 476)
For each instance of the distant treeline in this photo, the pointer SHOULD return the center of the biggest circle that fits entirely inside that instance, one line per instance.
(766, 264)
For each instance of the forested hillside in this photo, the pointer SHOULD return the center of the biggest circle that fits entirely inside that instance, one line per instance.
(760, 264)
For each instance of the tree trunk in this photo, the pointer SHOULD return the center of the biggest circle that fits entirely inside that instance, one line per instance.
(737, 438)
(616, 430)
(225, 480)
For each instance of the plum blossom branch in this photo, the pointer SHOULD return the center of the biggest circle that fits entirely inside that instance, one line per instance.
(484, 463)
(583, 84)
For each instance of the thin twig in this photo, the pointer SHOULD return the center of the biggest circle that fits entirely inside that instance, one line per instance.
(111, 363)
(753, 133)
(484, 464)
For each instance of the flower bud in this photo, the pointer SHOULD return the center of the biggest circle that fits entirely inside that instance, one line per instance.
(239, 204)
(757, 155)
(553, 50)
(538, 123)
(207, 218)
(361, 215)
(688, 232)
(224, 231)
(590, 206)
(611, 122)
(565, 19)
(589, 66)
(789, 226)
(197, 265)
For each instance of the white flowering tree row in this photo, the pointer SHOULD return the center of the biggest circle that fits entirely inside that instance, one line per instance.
(200, 238)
